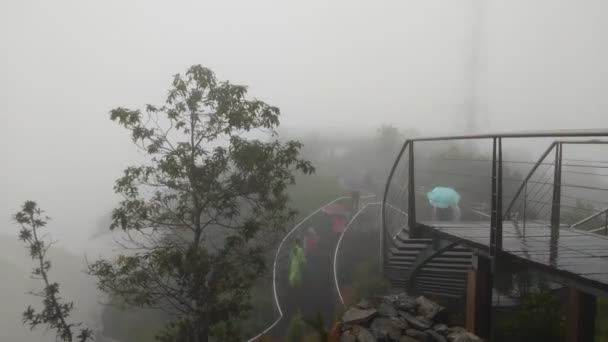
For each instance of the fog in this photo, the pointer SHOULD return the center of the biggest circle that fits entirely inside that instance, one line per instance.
(333, 67)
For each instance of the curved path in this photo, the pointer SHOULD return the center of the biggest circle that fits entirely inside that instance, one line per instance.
(274, 267)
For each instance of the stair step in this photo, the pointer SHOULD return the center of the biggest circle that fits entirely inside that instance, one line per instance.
(404, 239)
(443, 280)
(439, 271)
(455, 261)
(447, 295)
(459, 292)
(455, 288)
(461, 286)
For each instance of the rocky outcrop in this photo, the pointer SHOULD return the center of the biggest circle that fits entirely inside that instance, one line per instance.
(357, 315)
(400, 318)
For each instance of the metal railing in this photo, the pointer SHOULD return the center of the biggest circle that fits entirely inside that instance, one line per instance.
(281, 255)
(546, 194)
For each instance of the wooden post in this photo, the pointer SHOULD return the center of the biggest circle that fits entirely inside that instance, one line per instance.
(580, 316)
(479, 297)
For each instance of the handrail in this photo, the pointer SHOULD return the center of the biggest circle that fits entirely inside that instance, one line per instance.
(596, 229)
(274, 267)
(385, 195)
(525, 181)
(276, 256)
(540, 162)
(587, 219)
(338, 248)
(522, 134)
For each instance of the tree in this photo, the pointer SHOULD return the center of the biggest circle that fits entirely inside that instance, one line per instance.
(204, 206)
(55, 311)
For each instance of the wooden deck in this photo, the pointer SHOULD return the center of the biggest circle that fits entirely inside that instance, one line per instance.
(575, 255)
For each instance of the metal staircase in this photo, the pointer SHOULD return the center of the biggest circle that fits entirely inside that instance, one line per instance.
(432, 267)
(428, 266)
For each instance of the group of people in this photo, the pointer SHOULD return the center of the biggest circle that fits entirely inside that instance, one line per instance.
(310, 289)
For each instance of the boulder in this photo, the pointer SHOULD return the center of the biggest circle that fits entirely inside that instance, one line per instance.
(428, 309)
(364, 304)
(418, 335)
(441, 328)
(459, 334)
(415, 322)
(365, 336)
(406, 303)
(348, 336)
(407, 339)
(435, 336)
(387, 309)
(400, 322)
(385, 328)
(398, 317)
(356, 316)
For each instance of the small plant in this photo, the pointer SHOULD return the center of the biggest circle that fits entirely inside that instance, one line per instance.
(56, 311)
(295, 330)
(318, 327)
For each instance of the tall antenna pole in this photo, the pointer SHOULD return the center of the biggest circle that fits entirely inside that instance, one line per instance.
(474, 67)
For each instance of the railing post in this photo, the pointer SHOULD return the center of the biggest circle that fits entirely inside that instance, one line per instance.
(557, 180)
(499, 199)
(556, 204)
(496, 210)
(411, 195)
(525, 200)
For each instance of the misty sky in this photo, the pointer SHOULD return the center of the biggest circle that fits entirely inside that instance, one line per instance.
(332, 66)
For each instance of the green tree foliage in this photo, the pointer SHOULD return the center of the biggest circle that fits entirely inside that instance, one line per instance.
(204, 206)
(540, 315)
(55, 312)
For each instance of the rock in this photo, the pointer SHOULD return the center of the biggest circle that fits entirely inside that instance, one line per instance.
(418, 335)
(415, 322)
(348, 336)
(466, 337)
(459, 334)
(400, 322)
(387, 310)
(356, 316)
(406, 303)
(441, 328)
(364, 304)
(452, 330)
(407, 339)
(435, 336)
(365, 336)
(428, 309)
(385, 328)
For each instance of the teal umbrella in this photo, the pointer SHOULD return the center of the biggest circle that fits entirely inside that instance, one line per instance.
(443, 197)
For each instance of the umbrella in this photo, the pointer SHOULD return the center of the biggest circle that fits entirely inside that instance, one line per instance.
(443, 197)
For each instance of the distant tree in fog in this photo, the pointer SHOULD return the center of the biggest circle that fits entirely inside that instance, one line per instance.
(201, 206)
(55, 312)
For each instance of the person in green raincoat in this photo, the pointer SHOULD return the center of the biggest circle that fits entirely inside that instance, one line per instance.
(297, 262)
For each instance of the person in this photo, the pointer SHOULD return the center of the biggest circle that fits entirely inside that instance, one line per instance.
(446, 214)
(310, 242)
(297, 262)
(444, 203)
